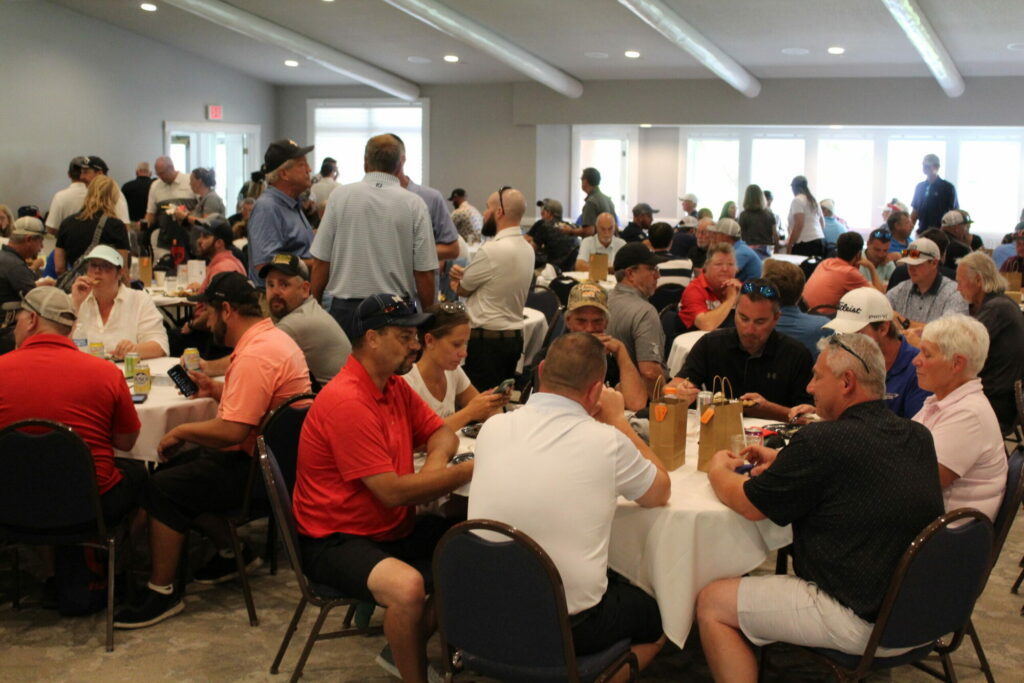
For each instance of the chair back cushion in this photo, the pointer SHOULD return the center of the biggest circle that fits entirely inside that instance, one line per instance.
(938, 580)
(497, 599)
(561, 286)
(281, 433)
(47, 479)
(545, 301)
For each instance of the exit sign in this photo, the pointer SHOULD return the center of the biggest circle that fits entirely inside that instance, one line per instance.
(214, 112)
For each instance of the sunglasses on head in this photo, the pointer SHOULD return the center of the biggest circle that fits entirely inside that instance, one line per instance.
(501, 191)
(767, 291)
(835, 341)
(916, 253)
(451, 307)
(883, 235)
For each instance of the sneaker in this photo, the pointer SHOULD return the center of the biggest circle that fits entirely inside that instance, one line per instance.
(220, 569)
(154, 608)
(386, 661)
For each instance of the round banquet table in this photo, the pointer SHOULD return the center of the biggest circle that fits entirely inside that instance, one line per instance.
(672, 552)
(681, 346)
(163, 410)
(608, 283)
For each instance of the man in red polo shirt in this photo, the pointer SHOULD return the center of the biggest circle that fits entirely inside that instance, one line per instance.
(708, 301)
(93, 397)
(356, 489)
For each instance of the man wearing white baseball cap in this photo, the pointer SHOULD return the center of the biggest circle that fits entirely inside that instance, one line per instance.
(867, 311)
(689, 201)
(926, 296)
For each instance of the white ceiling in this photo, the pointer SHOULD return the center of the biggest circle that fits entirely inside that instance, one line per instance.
(753, 32)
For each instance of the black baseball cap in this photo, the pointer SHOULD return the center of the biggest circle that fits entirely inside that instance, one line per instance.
(97, 164)
(457, 192)
(218, 227)
(381, 310)
(281, 151)
(634, 254)
(289, 264)
(231, 287)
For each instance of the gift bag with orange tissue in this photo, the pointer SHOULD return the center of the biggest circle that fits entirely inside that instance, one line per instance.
(667, 426)
(722, 420)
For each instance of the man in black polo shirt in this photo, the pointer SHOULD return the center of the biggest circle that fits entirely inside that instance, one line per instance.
(854, 509)
(643, 217)
(763, 365)
(933, 197)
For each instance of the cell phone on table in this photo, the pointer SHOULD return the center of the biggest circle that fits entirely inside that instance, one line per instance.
(505, 387)
(181, 380)
(139, 398)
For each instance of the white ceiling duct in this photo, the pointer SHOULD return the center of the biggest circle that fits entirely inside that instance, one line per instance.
(260, 29)
(921, 34)
(462, 28)
(669, 24)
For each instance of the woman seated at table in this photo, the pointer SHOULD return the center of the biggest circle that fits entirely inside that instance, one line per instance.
(438, 378)
(125, 320)
(968, 441)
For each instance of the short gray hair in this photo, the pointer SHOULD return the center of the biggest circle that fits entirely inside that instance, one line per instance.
(981, 264)
(960, 335)
(720, 248)
(275, 175)
(870, 374)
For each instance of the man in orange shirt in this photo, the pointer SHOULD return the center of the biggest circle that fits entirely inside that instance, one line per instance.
(836, 276)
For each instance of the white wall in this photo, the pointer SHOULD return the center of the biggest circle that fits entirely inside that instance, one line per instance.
(74, 85)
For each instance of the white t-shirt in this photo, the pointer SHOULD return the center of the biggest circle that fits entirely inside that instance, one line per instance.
(968, 441)
(813, 220)
(322, 189)
(554, 472)
(134, 317)
(70, 201)
(457, 381)
(499, 279)
(592, 245)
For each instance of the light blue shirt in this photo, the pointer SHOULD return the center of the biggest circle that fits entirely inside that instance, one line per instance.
(748, 263)
(804, 327)
(277, 225)
(1003, 252)
(833, 229)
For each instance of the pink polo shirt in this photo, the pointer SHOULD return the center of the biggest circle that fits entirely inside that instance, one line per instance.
(968, 442)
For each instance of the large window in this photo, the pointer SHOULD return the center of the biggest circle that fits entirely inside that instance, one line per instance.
(774, 162)
(712, 167)
(340, 129)
(989, 179)
(845, 176)
(903, 166)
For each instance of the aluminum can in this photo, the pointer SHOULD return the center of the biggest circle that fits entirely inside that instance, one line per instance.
(97, 349)
(142, 381)
(131, 362)
(191, 359)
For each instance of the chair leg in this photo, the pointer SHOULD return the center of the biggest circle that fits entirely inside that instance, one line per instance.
(111, 571)
(947, 667)
(16, 598)
(980, 651)
(1020, 578)
(243, 577)
(272, 544)
(782, 560)
(299, 609)
(310, 640)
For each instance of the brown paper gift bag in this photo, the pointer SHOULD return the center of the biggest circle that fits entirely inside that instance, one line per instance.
(667, 428)
(1013, 279)
(598, 267)
(724, 422)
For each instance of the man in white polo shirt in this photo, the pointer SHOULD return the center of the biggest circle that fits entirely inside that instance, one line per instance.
(604, 242)
(554, 469)
(495, 285)
(171, 188)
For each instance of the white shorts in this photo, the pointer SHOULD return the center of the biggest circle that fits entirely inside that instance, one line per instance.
(790, 610)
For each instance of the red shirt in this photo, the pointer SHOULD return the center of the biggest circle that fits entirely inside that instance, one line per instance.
(48, 378)
(698, 297)
(355, 431)
(833, 278)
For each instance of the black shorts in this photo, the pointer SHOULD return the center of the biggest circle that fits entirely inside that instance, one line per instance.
(123, 497)
(196, 482)
(344, 562)
(625, 611)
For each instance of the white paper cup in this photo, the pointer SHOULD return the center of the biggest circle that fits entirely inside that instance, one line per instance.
(161, 278)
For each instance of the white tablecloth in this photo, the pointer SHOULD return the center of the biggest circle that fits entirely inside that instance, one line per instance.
(535, 328)
(672, 552)
(681, 346)
(608, 283)
(791, 258)
(163, 410)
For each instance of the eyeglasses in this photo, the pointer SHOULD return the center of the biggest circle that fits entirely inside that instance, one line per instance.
(917, 253)
(451, 307)
(835, 341)
(883, 235)
(501, 191)
(767, 291)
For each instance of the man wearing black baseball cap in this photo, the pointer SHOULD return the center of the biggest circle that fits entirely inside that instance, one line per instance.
(277, 224)
(356, 490)
(634, 321)
(213, 243)
(266, 369)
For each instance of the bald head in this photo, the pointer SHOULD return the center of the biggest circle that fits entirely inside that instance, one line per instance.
(383, 155)
(605, 225)
(164, 168)
(508, 210)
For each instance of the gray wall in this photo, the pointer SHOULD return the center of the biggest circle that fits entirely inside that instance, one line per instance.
(73, 85)
(474, 143)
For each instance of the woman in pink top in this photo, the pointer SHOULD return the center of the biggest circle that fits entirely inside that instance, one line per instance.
(968, 441)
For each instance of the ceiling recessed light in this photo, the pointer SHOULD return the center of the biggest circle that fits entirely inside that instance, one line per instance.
(596, 55)
(632, 54)
(451, 59)
(836, 126)
(1016, 47)
(290, 62)
(328, 0)
(420, 60)
(147, 7)
(645, 125)
(795, 51)
(836, 50)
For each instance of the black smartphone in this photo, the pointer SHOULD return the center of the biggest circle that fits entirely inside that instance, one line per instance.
(505, 387)
(181, 380)
(139, 398)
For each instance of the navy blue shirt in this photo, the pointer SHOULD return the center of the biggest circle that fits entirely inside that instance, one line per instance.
(931, 201)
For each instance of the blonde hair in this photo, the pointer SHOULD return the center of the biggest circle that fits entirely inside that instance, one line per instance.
(100, 199)
(6, 230)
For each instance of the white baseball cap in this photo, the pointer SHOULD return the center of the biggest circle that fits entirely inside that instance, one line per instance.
(105, 253)
(859, 308)
(689, 197)
(726, 226)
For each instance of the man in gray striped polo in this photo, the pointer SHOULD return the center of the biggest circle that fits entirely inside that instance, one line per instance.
(374, 237)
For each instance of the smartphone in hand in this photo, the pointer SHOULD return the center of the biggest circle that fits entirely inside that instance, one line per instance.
(181, 380)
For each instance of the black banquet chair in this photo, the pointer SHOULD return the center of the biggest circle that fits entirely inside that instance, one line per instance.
(931, 594)
(544, 300)
(323, 597)
(501, 610)
(49, 496)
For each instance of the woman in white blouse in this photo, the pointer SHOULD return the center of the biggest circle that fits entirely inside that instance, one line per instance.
(125, 320)
(806, 222)
(438, 378)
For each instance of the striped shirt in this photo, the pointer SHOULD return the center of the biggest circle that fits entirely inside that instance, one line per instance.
(942, 298)
(375, 235)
